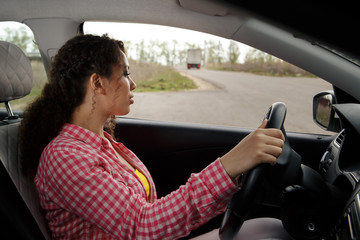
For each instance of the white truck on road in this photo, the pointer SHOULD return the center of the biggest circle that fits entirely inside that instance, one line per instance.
(194, 58)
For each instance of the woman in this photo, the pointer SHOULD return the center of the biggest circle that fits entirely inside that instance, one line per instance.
(93, 187)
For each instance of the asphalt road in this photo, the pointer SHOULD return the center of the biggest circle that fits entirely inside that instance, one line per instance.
(234, 99)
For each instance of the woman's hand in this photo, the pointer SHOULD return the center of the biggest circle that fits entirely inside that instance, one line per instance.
(264, 145)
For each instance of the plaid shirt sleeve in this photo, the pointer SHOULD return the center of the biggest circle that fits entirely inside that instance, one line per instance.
(72, 178)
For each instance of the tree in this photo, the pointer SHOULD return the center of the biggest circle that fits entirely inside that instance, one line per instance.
(182, 55)
(174, 52)
(140, 51)
(214, 52)
(128, 47)
(165, 52)
(234, 52)
(257, 56)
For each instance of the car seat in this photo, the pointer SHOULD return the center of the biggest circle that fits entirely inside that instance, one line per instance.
(20, 212)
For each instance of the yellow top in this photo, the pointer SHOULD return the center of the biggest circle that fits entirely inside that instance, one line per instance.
(144, 181)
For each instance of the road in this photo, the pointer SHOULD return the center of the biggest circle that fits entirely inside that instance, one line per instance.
(234, 99)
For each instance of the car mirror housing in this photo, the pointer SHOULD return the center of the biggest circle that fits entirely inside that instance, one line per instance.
(323, 112)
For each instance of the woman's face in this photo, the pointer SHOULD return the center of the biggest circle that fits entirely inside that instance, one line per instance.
(119, 89)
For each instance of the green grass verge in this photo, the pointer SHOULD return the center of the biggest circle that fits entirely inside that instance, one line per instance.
(169, 80)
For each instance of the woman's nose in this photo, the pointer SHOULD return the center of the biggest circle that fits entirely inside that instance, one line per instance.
(132, 84)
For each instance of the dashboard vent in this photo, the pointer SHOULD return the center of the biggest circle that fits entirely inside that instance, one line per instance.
(340, 138)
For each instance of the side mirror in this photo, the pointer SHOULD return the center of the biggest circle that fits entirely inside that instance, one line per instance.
(323, 113)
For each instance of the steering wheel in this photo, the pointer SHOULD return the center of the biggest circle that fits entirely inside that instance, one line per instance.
(284, 173)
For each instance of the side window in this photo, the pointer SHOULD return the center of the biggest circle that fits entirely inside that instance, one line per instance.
(22, 36)
(187, 76)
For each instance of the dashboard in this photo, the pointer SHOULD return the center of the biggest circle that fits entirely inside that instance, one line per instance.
(340, 167)
(325, 204)
(348, 224)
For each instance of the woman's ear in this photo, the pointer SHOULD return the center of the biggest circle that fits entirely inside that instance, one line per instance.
(96, 83)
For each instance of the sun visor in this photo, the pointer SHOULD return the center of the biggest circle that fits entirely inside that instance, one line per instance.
(208, 7)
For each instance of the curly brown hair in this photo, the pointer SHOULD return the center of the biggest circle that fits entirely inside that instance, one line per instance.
(70, 70)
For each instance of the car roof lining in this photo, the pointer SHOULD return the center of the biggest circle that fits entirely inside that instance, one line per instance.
(171, 13)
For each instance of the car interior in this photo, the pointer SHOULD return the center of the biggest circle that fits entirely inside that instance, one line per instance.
(314, 189)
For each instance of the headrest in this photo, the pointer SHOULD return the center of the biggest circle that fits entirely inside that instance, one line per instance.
(16, 77)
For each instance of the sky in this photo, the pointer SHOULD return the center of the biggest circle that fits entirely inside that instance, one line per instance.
(135, 32)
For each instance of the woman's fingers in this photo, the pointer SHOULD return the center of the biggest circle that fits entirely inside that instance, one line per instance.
(273, 140)
(261, 146)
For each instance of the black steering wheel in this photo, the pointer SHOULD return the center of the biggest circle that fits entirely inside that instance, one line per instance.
(284, 173)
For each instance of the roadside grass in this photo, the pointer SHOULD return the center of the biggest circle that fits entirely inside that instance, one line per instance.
(148, 78)
(157, 78)
(167, 81)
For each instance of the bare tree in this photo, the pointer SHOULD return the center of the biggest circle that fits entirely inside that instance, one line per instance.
(234, 52)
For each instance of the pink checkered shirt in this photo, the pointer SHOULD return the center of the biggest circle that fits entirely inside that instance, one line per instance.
(89, 194)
